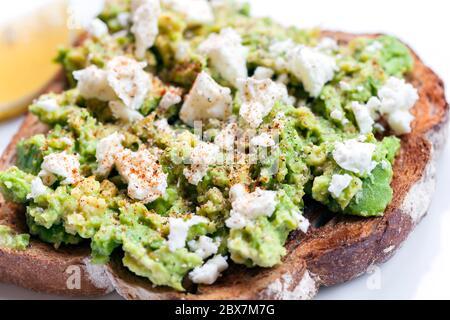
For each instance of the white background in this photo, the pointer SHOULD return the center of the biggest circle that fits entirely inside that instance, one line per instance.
(420, 269)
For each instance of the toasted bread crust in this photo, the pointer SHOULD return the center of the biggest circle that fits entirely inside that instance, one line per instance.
(339, 251)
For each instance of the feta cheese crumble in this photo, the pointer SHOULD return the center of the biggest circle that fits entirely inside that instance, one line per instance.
(246, 207)
(107, 149)
(338, 184)
(97, 28)
(121, 112)
(396, 99)
(47, 104)
(168, 100)
(210, 271)
(37, 188)
(262, 73)
(206, 100)
(258, 98)
(355, 156)
(194, 11)
(179, 229)
(143, 173)
(204, 247)
(227, 137)
(312, 67)
(226, 54)
(63, 165)
(93, 84)
(264, 140)
(145, 14)
(363, 117)
(202, 156)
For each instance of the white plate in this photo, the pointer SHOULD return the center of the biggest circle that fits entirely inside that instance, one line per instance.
(420, 267)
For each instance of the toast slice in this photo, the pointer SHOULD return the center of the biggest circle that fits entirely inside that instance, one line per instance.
(336, 249)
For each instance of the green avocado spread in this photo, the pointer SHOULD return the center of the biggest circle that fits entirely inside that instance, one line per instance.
(190, 136)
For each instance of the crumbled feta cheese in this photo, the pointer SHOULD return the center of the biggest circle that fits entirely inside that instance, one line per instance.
(202, 156)
(355, 156)
(206, 100)
(37, 188)
(374, 47)
(47, 104)
(194, 11)
(93, 84)
(328, 45)
(61, 164)
(121, 112)
(397, 98)
(227, 137)
(312, 67)
(249, 206)
(204, 246)
(338, 184)
(182, 51)
(67, 141)
(210, 271)
(179, 229)
(264, 140)
(128, 80)
(280, 50)
(345, 86)
(143, 173)
(97, 28)
(363, 117)
(107, 149)
(258, 97)
(337, 115)
(303, 223)
(169, 99)
(145, 14)
(262, 73)
(227, 54)
(163, 127)
(124, 19)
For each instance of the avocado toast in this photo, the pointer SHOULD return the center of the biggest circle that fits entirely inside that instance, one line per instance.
(260, 217)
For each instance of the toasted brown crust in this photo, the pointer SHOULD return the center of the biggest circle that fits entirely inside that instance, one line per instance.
(336, 252)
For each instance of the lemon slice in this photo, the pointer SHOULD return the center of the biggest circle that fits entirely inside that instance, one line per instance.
(27, 48)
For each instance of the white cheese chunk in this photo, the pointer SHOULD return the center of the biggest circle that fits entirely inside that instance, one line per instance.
(227, 137)
(202, 156)
(312, 67)
(258, 98)
(204, 246)
(169, 99)
(128, 80)
(328, 45)
(37, 188)
(122, 112)
(179, 229)
(303, 223)
(162, 125)
(262, 73)
(124, 19)
(397, 98)
(194, 11)
(338, 184)
(97, 28)
(206, 100)
(363, 117)
(107, 149)
(210, 271)
(246, 207)
(47, 104)
(374, 47)
(227, 54)
(63, 165)
(264, 140)
(337, 115)
(143, 173)
(145, 15)
(355, 156)
(93, 84)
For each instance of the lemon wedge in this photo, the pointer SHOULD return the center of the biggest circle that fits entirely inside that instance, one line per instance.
(27, 48)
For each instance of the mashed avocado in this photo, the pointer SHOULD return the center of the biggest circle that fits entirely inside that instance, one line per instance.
(9, 239)
(187, 140)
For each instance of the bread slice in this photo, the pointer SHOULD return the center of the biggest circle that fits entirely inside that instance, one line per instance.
(336, 249)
